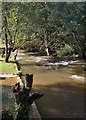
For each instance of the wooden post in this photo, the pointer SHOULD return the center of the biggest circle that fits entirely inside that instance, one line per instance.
(29, 81)
(28, 84)
(23, 97)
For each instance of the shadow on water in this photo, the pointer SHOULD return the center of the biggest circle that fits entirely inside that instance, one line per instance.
(61, 100)
(64, 96)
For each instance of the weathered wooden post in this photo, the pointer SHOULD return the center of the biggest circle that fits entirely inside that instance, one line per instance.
(23, 97)
(28, 81)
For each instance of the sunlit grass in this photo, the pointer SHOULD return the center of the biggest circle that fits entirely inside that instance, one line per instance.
(2, 45)
(9, 68)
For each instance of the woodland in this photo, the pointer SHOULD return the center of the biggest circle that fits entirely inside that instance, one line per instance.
(52, 28)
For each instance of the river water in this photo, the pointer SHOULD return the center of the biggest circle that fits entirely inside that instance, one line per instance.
(61, 82)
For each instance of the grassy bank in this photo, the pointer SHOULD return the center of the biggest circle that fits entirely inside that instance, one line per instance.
(8, 68)
(8, 101)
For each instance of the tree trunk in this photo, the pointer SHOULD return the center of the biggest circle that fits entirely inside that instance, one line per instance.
(7, 50)
(6, 47)
(15, 55)
(45, 42)
(6, 41)
(82, 53)
(8, 55)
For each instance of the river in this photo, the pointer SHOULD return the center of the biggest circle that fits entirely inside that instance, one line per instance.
(61, 82)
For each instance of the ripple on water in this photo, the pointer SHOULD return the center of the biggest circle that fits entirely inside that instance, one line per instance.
(78, 78)
(21, 54)
(61, 92)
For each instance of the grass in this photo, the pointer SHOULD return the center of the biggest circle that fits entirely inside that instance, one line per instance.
(2, 45)
(8, 68)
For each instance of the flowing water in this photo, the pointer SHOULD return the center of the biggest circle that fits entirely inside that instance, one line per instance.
(61, 82)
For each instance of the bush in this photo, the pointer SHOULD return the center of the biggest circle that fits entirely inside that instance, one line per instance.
(64, 51)
(7, 115)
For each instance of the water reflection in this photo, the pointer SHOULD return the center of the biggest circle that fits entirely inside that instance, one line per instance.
(61, 100)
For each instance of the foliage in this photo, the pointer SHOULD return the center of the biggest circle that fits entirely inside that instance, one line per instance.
(7, 115)
(73, 17)
(64, 51)
(56, 28)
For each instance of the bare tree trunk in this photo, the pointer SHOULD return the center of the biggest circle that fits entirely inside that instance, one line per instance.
(81, 52)
(11, 44)
(8, 55)
(15, 55)
(45, 42)
(6, 41)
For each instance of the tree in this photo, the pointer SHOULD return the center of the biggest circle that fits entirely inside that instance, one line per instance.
(73, 18)
(56, 28)
(10, 27)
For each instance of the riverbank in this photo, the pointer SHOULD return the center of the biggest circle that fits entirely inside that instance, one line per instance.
(8, 68)
(53, 57)
(8, 78)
